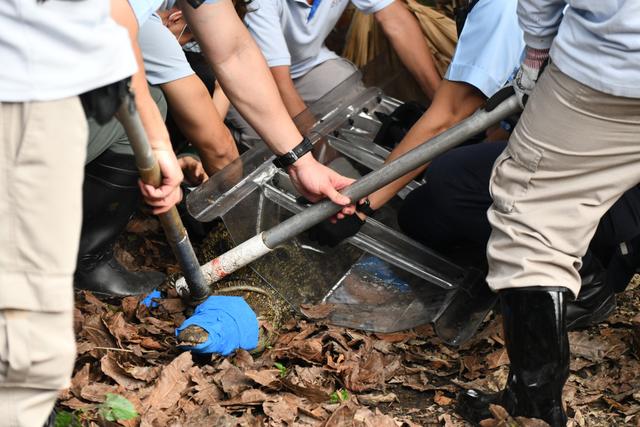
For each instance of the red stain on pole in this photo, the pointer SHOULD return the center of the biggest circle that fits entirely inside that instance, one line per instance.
(217, 269)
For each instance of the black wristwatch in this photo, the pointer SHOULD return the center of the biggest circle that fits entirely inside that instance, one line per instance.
(365, 207)
(292, 156)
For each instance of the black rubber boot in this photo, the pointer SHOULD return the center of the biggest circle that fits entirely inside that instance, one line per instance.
(596, 300)
(110, 198)
(538, 347)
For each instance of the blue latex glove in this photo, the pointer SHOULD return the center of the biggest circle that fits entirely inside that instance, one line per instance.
(230, 322)
(148, 300)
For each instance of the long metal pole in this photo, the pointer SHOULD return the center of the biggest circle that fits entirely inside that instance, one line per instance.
(195, 288)
(266, 241)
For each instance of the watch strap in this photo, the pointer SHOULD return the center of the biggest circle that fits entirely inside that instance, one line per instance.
(292, 156)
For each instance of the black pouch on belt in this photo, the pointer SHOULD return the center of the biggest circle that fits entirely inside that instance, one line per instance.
(101, 104)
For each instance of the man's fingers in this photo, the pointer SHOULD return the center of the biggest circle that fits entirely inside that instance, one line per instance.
(336, 197)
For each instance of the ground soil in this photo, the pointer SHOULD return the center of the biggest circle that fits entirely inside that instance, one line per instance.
(312, 373)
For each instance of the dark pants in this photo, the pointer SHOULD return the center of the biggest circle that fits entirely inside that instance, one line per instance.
(449, 214)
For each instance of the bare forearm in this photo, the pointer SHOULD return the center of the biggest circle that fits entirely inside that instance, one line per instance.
(403, 31)
(150, 116)
(220, 100)
(197, 118)
(243, 73)
(290, 96)
(452, 103)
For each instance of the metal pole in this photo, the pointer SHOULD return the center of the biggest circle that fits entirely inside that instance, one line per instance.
(266, 241)
(194, 288)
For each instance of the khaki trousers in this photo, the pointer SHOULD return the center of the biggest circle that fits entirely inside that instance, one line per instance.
(41, 162)
(574, 152)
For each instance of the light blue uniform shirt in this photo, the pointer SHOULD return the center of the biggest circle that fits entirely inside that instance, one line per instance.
(597, 42)
(56, 49)
(490, 47)
(164, 59)
(288, 33)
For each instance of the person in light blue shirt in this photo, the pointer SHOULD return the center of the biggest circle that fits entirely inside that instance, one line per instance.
(488, 53)
(292, 33)
(572, 155)
(110, 189)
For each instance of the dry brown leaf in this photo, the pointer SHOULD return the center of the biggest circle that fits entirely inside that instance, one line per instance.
(591, 348)
(309, 350)
(120, 329)
(397, 337)
(112, 369)
(96, 392)
(248, 397)
(366, 372)
(284, 409)
(312, 383)
(342, 416)
(143, 373)
(267, 377)
(207, 393)
(364, 417)
(316, 312)
(80, 379)
(96, 332)
(497, 358)
(172, 305)
(151, 344)
(231, 379)
(129, 307)
(243, 359)
(376, 399)
(172, 383)
(442, 400)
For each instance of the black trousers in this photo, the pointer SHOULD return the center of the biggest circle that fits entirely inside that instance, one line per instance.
(449, 214)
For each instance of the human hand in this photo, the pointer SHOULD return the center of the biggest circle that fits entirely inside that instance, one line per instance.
(193, 170)
(161, 199)
(530, 69)
(316, 181)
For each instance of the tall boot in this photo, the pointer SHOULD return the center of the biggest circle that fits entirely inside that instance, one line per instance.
(538, 348)
(110, 198)
(596, 300)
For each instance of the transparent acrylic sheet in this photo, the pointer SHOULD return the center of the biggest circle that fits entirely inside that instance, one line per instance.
(301, 272)
(252, 195)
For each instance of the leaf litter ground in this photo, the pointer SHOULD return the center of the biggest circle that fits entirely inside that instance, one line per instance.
(314, 374)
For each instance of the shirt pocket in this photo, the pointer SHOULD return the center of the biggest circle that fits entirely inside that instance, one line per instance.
(512, 173)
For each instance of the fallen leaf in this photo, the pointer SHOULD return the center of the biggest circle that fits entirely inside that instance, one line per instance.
(172, 383)
(231, 379)
(96, 392)
(283, 409)
(248, 397)
(111, 368)
(316, 312)
(497, 358)
(364, 417)
(376, 399)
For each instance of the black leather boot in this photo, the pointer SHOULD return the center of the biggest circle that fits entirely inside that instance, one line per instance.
(110, 198)
(596, 300)
(538, 347)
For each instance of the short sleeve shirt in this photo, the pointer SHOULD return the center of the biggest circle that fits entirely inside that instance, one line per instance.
(164, 59)
(292, 32)
(490, 47)
(57, 49)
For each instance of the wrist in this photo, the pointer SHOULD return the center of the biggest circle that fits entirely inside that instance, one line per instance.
(294, 155)
(302, 162)
(535, 58)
